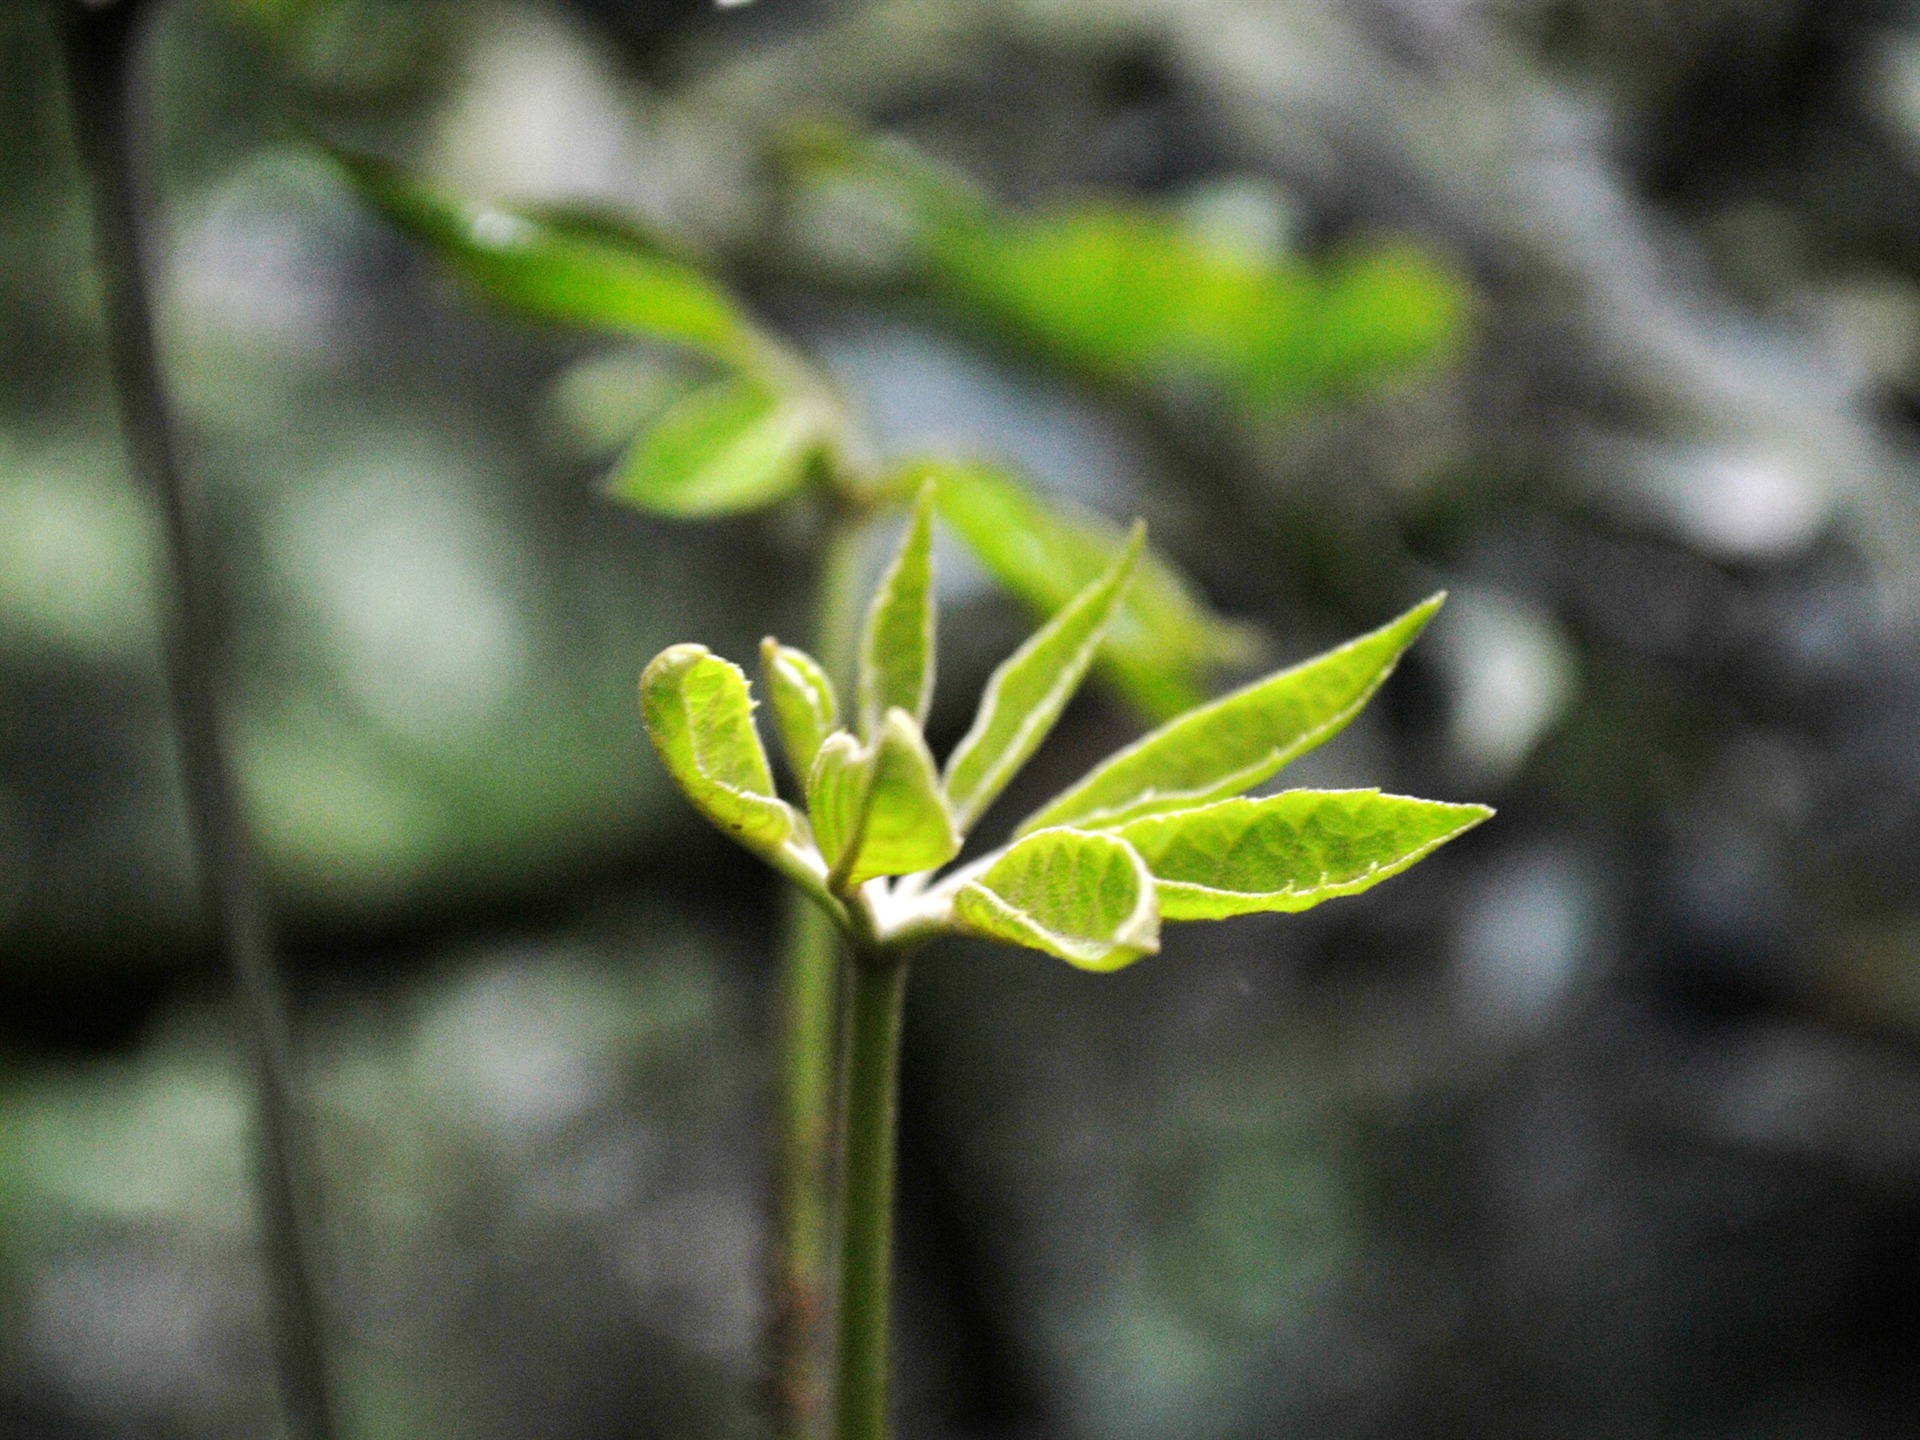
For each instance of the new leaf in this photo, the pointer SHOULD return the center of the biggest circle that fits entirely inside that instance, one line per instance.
(805, 708)
(699, 715)
(1289, 851)
(896, 641)
(1026, 694)
(1239, 740)
(1084, 897)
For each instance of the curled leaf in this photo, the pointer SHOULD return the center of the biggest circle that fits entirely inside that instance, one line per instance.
(699, 715)
(1082, 896)
(805, 708)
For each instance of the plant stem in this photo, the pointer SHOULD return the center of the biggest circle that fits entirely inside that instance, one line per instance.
(100, 44)
(802, 1300)
(879, 980)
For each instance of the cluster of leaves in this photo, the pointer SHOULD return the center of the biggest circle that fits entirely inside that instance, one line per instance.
(1158, 831)
(762, 424)
(1134, 295)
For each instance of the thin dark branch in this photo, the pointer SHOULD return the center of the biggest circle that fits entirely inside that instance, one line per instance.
(101, 43)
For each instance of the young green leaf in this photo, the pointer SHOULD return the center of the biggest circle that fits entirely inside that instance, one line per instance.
(805, 708)
(561, 271)
(1082, 896)
(730, 445)
(1162, 645)
(699, 715)
(837, 795)
(1026, 694)
(907, 825)
(896, 641)
(1288, 851)
(1239, 740)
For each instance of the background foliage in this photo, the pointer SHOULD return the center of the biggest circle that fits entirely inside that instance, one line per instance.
(1601, 1122)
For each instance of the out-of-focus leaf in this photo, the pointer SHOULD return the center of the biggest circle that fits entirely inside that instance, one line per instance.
(907, 825)
(1239, 740)
(1134, 294)
(896, 639)
(729, 446)
(699, 715)
(805, 708)
(1082, 896)
(1162, 645)
(1026, 694)
(563, 269)
(1288, 851)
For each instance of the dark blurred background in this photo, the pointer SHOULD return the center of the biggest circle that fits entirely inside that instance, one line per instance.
(1604, 1122)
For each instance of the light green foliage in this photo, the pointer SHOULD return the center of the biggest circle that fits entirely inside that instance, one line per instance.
(730, 445)
(561, 267)
(1236, 742)
(805, 708)
(896, 640)
(1082, 896)
(1026, 694)
(1289, 851)
(699, 716)
(837, 794)
(1163, 644)
(1132, 294)
(1150, 834)
(906, 824)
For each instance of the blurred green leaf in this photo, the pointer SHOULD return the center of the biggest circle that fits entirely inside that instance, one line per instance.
(1135, 294)
(568, 268)
(1084, 897)
(805, 708)
(1239, 740)
(728, 446)
(699, 715)
(1162, 646)
(1288, 851)
(1026, 694)
(896, 639)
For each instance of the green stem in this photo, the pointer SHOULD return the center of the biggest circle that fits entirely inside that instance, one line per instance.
(802, 1300)
(872, 1093)
(100, 43)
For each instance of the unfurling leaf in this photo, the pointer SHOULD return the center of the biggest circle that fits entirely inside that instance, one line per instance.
(837, 794)
(907, 826)
(1239, 740)
(1162, 646)
(1288, 851)
(1026, 694)
(699, 714)
(896, 641)
(730, 445)
(562, 269)
(1082, 896)
(805, 708)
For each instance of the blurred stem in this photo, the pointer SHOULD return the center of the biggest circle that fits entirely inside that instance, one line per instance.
(872, 1102)
(802, 1301)
(100, 43)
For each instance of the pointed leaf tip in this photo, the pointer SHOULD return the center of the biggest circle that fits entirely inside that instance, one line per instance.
(1290, 851)
(1026, 694)
(896, 643)
(1234, 743)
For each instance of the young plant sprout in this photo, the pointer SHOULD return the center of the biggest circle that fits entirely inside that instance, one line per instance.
(1160, 830)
